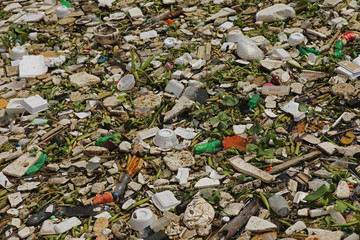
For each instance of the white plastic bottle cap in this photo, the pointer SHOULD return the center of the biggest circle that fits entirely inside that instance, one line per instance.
(61, 11)
(141, 218)
(32, 35)
(166, 139)
(234, 36)
(296, 38)
(169, 42)
(126, 83)
(17, 53)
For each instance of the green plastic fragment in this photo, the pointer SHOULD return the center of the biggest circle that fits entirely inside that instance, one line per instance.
(207, 147)
(36, 167)
(338, 53)
(66, 3)
(116, 137)
(254, 101)
(317, 194)
(339, 44)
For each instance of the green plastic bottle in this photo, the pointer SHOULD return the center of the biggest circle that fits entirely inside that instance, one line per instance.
(207, 147)
(339, 44)
(254, 101)
(302, 50)
(311, 50)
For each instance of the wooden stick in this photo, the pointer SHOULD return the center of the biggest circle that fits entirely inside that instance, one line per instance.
(294, 161)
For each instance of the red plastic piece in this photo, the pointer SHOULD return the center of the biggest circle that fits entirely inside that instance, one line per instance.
(106, 198)
(235, 141)
(268, 169)
(349, 36)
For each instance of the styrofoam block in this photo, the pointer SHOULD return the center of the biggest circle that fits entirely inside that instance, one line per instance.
(35, 104)
(32, 66)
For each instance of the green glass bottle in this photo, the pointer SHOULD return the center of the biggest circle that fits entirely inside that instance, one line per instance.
(207, 147)
(254, 101)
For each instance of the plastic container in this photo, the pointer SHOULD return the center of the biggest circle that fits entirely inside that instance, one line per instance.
(106, 34)
(142, 218)
(166, 139)
(169, 42)
(35, 104)
(207, 147)
(17, 53)
(126, 83)
(15, 106)
(165, 200)
(296, 38)
(279, 205)
(275, 90)
(61, 11)
(121, 187)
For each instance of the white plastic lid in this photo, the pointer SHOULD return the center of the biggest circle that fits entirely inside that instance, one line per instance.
(169, 42)
(17, 53)
(165, 200)
(296, 38)
(141, 218)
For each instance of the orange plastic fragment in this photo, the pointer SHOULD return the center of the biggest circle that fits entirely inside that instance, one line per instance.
(106, 198)
(347, 139)
(170, 22)
(235, 141)
(134, 166)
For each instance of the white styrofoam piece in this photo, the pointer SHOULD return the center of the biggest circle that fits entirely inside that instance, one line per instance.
(165, 200)
(35, 104)
(32, 66)
(15, 106)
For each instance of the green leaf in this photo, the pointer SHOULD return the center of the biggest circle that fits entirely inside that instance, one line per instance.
(303, 107)
(317, 194)
(255, 129)
(340, 206)
(267, 152)
(252, 148)
(215, 198)
(223, 117)
(230, 101)
(213, 120)
(222, 125)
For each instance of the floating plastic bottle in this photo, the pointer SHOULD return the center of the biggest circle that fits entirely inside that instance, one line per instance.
(121, 187)
(254, 101)
(207, 147)
(279, 205)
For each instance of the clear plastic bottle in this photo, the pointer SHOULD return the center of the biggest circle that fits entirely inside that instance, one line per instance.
(121, 187)
(279, 205)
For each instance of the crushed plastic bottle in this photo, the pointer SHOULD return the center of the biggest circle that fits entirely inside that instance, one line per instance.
(207, 147)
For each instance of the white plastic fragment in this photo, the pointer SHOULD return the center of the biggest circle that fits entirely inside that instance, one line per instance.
(14, 199)
(175, 87)
(297, 227)
(293, 109)
(182, 176)
(207, 183)
(67, 225)
(32, 66)
(247, 50)
(19, 167)
(147, 133)
(148, 34)
(256, 224)
(277, 11)
(4, 181)
(186, 133)
(283, 54)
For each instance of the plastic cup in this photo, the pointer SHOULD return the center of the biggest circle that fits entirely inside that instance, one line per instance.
(142, 218)
(17, 53)
(166, 139)
(61, 11)
(126, 83)
(296, 38)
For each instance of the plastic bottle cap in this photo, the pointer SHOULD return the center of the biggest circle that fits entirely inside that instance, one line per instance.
(296, 38)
